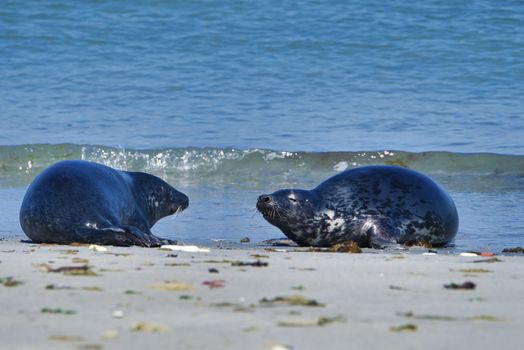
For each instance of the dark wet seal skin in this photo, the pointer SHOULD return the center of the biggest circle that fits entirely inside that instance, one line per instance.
(374, 206)
(83, 202)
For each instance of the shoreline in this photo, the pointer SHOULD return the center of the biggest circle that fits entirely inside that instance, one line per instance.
(248, 297)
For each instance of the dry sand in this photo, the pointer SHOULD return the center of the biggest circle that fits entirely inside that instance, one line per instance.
(154, 299)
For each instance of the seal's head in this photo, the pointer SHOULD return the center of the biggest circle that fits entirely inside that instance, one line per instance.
(292, 211)
(161, 198)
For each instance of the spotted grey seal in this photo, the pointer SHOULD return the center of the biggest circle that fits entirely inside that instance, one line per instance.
(374, 206)
(83, 202)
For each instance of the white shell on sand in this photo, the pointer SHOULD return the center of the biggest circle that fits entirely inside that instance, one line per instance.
(185, 248)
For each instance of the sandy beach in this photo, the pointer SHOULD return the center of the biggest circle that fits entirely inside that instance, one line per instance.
(248, 297)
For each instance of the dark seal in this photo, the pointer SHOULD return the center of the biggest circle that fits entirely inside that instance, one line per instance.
(374, 206)
(84, 202)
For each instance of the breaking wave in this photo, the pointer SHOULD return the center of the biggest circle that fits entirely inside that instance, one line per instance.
(256, 167)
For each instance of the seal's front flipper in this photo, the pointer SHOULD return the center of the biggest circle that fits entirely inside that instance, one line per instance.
(147, 239)
(380, 242)
(106, 236)
(380, 233)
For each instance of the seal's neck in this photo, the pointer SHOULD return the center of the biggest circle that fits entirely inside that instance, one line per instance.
(149, 194)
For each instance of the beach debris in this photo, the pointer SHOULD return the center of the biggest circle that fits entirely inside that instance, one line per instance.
(65, 338)
(293, 300)
(427, 317)
(109, 335)
(466, 286)
(185, 297)
(212, 270)
(132, 292)
(237, 307)
(173, 286)
(488, 260)
(257, 263)
(475, 270)
(392, 287)
(87, 288)
(448, 318)
(249, 329)
(477, 299)
(223, 261)
(111, 270)
(486, 254)
(299, 287)
(259, 256)
(172, 256)
(83, 270)
(177, 264)
(119, 254)
(485, 318)
(399, 257)
(9, 282)
(315, 322)
(47, 310)
(185, 248)
(65, 251)
(118, 314)
(245, 240)
(214, 284)
(149, 327)
(347, 247)
(409, 327)
(518, 250)
(303, 268)
(469, 254)
(97, 248)
(429, 254)
(80, 261)
(57, 287)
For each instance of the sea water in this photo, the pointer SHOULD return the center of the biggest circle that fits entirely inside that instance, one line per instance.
(230, 99)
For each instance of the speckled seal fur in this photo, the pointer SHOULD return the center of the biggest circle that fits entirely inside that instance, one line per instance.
(374, 206)
(84, 202)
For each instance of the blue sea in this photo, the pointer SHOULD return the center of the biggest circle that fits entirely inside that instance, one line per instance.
(230, 99)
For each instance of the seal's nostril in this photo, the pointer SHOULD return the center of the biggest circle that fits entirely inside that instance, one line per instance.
(264, 199)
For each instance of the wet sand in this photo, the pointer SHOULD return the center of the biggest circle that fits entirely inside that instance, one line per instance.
(136, 298)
